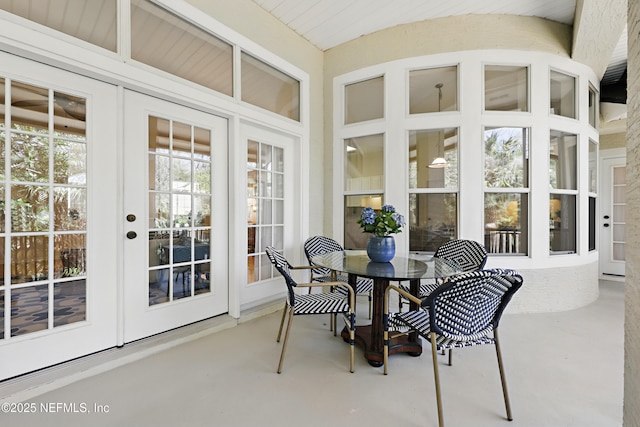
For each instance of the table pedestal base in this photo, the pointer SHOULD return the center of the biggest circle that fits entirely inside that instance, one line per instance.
(375, 357)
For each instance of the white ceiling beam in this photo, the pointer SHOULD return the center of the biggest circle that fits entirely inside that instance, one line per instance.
(597, 28)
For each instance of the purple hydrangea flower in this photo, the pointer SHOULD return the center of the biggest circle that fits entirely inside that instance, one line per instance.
(388, 208)
(368, 216)
(399, 219)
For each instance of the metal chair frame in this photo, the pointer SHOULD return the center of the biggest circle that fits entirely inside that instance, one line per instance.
(464, 311)
(318, 303)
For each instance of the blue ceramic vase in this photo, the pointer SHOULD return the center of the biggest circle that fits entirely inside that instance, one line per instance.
(381, 249)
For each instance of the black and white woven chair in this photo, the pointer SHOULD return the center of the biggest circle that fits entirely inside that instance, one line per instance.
(320, 303)
(469, 255)
(320, 245)
(463, 311)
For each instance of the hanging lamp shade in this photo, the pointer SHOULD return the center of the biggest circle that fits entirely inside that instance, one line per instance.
(438, 163)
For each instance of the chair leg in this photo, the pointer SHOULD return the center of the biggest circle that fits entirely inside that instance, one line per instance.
(503, 378)
(286, 338)
(352, 342)
(284, 313)
(450, 356)
(385, 351)
(436, 378)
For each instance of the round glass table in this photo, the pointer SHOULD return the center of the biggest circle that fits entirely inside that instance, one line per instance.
(357, 264)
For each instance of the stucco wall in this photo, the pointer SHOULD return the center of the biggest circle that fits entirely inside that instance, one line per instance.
(632, 285)
(614, 140)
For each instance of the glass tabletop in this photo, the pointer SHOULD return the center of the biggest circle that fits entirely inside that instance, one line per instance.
(399, 268)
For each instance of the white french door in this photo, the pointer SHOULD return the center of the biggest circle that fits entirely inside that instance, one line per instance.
(175, 216)
(58, 219)
(612, 217)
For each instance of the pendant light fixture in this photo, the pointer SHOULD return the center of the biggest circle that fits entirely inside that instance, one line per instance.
(439, 162)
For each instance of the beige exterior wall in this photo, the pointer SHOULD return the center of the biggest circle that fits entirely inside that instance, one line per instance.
(451, 34)
(254, 23)
(614, 140)
(631, 412)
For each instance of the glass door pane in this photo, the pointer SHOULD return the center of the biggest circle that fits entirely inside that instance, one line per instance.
(179, 210)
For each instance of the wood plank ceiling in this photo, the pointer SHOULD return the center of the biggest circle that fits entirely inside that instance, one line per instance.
(329, 23)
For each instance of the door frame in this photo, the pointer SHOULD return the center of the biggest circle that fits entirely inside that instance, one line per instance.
(604, 192)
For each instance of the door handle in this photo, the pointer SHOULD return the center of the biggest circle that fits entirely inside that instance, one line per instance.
(132, 235)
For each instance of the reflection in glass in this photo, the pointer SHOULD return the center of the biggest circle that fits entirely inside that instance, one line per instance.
(29, 208)
(29, 108)
(364, 163)
(593, 166)
(159, 210)
(181, 139)
(202, 207)
(619, 212)
(265, 268)
(593, 107)
(29, 158)
(3, 212)
(159, 135)
(563, 153)
(562, 223)
(69, 208)
(364, 100)
(424, 147)
(69, 115)
(160, 171)
(202, 177)
(69, 302)
(159, 284)
(29, 258)
(266, 238)
(506, 157)
(179, 210)
(70, 162)
(506, 223)
(266, 212)
(48, 206)
(506, 88)
(269, 88)
(2, 117)
(278, 160)
(2, 155)
(424, 96)
(30, 309)
(1, 314)
(265, 205)
(181, 179)
(433, 220)
(354, 238)
(562, 95)
(202, 144)
(70, 255)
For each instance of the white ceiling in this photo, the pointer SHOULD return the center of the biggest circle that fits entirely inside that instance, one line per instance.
(329, 23)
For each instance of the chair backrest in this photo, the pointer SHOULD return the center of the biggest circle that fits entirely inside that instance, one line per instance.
(320, 245)
(469, 255)
(468, 306)
(282, 265)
